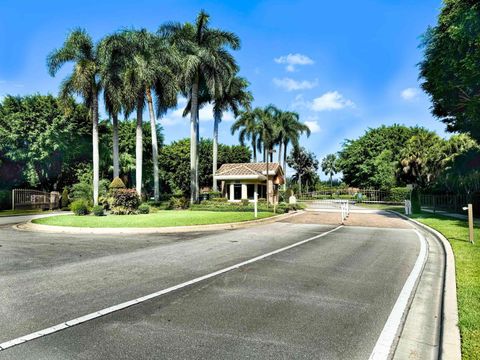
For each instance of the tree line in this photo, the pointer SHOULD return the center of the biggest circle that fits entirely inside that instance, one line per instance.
(137, 69)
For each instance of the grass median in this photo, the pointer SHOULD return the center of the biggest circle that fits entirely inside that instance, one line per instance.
(467, 267)
(160, 218)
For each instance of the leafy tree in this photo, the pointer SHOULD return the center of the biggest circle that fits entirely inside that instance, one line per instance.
(329, 166)
(175, 162)
(450, 70)
(80, 50)
(305, 164)
(205, 59)
(359, 159)
(43, 140)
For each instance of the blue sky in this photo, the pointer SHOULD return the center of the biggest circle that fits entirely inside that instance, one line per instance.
(343, 65)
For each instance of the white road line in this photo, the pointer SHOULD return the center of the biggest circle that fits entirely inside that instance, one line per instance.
(109, 310)
(383, 347)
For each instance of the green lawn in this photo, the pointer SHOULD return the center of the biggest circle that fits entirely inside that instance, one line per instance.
(161, 218)
(467, 265)
(21, 212)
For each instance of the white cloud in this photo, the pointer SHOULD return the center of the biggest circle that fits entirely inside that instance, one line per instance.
(409, 93)
(292, 60)
(331, 100)
(174, 117)
(313, 126)
(291, 84)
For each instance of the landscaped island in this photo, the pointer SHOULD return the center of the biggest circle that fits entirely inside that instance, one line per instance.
(161, 218)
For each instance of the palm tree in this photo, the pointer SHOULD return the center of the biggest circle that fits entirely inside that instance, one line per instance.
(248, 126)
(289, 131)
(151, 65)
(269, 128)
(111, 53)
(234, 98)
(80, 50)
(205, 58)
(329, 166)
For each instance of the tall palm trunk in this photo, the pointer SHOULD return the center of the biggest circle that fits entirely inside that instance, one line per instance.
(254, 147)
(193, 144)
(285, 165)
(197, 159)
(280, 153)
(215, 150)
(139, 148)
(116, 158)
(153, 128)
(96, 154)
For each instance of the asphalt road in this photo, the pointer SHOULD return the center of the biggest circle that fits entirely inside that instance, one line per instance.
(326, 299)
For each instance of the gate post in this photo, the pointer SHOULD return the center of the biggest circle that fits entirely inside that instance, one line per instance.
(13, 199)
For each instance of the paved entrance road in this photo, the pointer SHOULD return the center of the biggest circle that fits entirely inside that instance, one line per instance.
(326, 299)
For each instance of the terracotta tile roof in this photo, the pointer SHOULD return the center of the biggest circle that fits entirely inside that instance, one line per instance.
(247, 169)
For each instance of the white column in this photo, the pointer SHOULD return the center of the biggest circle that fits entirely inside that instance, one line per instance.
(232, 192)
(244, 191)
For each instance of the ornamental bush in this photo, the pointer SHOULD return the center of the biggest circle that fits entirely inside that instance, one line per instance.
(177, 203)
(64, 200)
(98, 210)
(144, 209)
(125, 202)
(116, 184)
(80, 207)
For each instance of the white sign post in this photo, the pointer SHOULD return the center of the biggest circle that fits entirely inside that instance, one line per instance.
(469, 208)
(255, 203)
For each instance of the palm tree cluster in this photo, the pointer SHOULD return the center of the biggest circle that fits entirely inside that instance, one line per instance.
(267, 128)
(136, 70)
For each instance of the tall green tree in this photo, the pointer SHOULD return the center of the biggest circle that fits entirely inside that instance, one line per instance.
(80, 50)
(151, 67)
(43, 140)
(248, 126)
(329, 166)
(359, 158)
(205, 58)
(112, 67)
(290, 130)
(305, 164)
(450, 69)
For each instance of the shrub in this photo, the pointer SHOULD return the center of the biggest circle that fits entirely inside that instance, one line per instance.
(5, 199)
(245, 202)
(98, 210)
(125, 202)
(416, 206)
(399, 194)
(144, 209)
(64, 201)
(116, 184)
(219, 199)
(80, 207)
(176, 203)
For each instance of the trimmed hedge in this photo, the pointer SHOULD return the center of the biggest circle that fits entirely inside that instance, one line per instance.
(116, 184)
(98, 210)
(144, 209)
(399, 194)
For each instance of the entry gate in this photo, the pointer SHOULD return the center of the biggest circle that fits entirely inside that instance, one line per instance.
(35, 199)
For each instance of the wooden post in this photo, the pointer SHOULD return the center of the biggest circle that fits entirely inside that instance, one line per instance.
(470, 223)
(255, 200)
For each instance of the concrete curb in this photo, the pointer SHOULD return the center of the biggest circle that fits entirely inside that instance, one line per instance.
(29, 226)
(450, 344)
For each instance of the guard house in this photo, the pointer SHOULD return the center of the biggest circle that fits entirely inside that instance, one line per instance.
(241, 181)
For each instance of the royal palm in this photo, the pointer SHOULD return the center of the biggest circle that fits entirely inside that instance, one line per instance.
(80, 50)
(205, 59)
